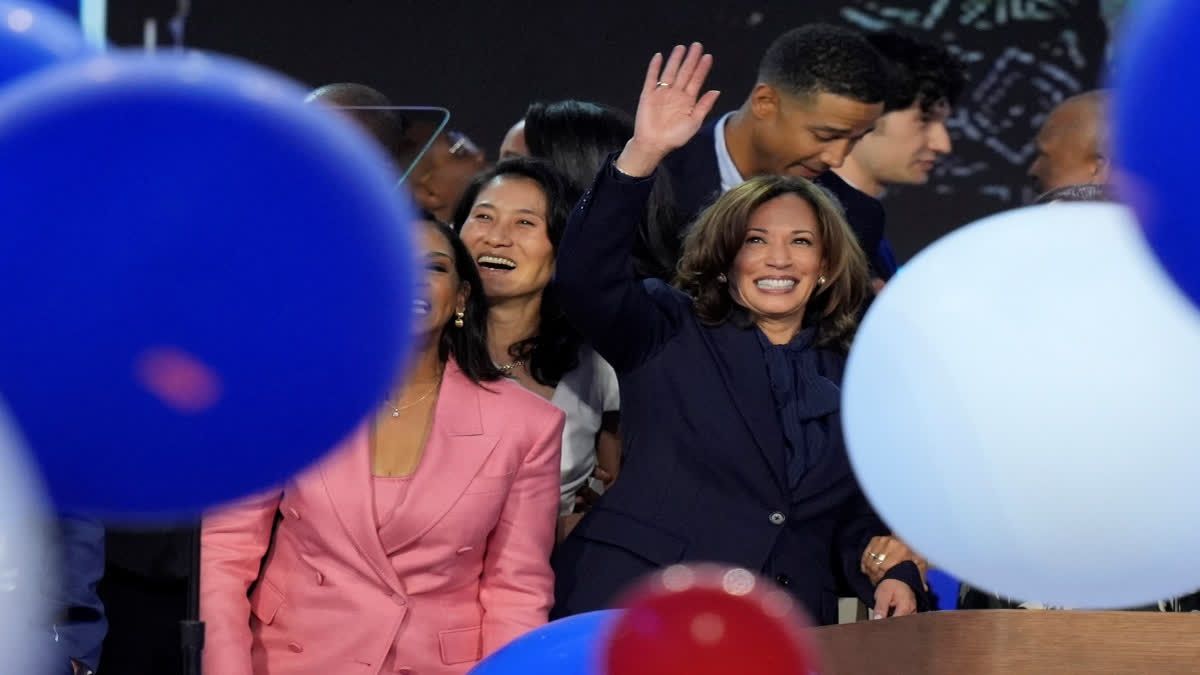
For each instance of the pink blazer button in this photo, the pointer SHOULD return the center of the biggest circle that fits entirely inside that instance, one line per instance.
(295, 647)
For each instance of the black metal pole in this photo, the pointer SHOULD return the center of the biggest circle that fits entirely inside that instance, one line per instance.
(192, 628)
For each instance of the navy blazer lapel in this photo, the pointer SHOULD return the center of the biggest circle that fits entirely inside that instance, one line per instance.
(741, 364)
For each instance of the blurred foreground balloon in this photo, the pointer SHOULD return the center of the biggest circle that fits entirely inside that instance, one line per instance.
(26, 581)
(1154, 82)
(207, 282)
(33, 36)
(709, 620)
(569, 646)
(1046, 371)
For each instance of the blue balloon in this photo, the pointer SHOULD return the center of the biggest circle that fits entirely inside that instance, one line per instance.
(1155, 83)
(206, 282)
(570, 646)
(33, 36)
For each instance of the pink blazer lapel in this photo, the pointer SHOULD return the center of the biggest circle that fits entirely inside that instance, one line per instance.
(456, 450)
(347, 478)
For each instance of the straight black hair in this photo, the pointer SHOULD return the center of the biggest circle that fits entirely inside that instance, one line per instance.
(554, 350)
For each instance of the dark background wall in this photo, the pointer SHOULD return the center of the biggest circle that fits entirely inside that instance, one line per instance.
(487, 61)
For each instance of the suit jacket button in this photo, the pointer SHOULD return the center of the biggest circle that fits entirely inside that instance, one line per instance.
(783, 579)
(295, 647)
(320, 579)
(777, 518)
(295, 513)
(399, 599)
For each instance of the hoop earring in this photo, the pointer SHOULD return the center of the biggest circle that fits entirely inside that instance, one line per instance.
(458, 318)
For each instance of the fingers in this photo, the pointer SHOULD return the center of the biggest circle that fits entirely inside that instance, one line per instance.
(671, 70)
(893, 598)
(697, 75)
(687, 69)
(873, 546)
(885, 597)
(600, 474)
(652, 72)
(705, 104)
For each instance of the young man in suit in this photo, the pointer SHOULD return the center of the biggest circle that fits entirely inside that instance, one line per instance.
(819, 90)
(908, 139)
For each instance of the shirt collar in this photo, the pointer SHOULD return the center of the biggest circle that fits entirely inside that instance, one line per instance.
(730, 178)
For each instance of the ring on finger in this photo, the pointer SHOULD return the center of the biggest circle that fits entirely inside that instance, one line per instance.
(662, 84)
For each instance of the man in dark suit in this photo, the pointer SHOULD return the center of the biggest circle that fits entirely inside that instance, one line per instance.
(819, 90)
(908, 140)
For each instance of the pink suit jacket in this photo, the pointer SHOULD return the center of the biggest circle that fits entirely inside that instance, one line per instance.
(471, 569)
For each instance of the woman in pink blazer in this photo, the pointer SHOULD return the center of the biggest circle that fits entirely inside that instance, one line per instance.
(422, 543)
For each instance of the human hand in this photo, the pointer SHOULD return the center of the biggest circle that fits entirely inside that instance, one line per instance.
(884, 553)
(893, 598)
(670, 109)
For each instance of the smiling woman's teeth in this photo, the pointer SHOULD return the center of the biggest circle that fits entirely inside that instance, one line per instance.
(496, 262)
(420, 307)
(775, 283)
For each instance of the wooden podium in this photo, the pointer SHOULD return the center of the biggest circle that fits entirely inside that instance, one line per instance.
(1015, 642)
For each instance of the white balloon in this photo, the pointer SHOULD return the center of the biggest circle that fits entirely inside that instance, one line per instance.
(1020, 406)
(26, 566)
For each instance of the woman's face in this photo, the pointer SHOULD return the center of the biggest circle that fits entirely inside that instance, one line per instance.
(507, 235)
(776, 270)
(440, 291)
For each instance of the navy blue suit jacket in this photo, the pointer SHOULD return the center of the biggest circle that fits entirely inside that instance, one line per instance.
(696, 182)
(703, 476)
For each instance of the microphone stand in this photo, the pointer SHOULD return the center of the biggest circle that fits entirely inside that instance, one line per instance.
(192, 628)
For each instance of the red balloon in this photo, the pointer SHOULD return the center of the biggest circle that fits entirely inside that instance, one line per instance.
(709, 620)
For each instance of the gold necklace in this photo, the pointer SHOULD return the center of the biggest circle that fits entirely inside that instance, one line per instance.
(396, 409)
(509, 367)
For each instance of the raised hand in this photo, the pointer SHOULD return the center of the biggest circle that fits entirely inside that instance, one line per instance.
(670, 109)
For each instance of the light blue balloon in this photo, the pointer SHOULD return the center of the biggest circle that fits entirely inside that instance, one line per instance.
(569, 646)
(1020, 407)
(33, 36)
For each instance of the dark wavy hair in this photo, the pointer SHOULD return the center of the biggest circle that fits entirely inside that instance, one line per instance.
(553, 351)
(815, 58)
(469, 344)
(577, 137)
(921, 73)
(718, 235)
